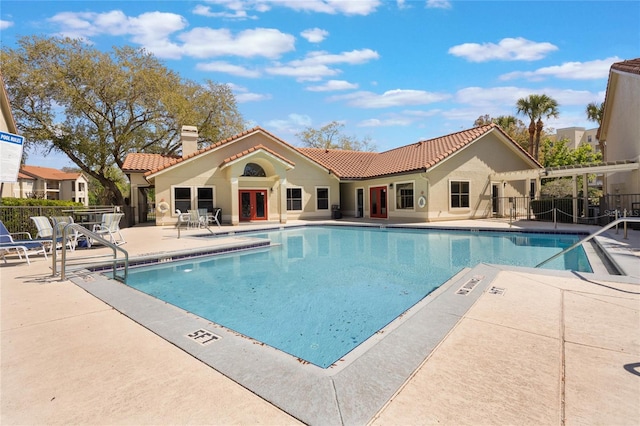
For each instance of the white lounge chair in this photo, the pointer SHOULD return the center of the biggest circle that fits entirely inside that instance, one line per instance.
(110, 225)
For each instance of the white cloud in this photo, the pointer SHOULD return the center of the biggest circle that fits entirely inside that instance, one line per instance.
(314, 35)
(207, 42)
(5, 24)
(303, 73)
(439, 4)
(293, 124)
(508, 49)
(236, 13)
(226, 67)
(151, 30)
(353, 57)
(388, 122)
(333, 85)
(591, 70)
(391, 98)
(243, 95)
(332, 7)
(314, 66)
(486, 97)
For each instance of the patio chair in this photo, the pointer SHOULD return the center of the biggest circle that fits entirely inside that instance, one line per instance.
(21, 246)
(183, 218)
(110, 225)
(214, 217)
(195, 219)
(59, 222)
(45, 231)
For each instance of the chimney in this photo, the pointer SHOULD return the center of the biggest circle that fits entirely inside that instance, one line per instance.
(189, 140)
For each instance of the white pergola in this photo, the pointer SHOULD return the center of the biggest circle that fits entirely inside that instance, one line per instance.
(536, 175)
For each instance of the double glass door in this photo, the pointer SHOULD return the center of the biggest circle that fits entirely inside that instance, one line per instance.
(378, 200)
(253, 205)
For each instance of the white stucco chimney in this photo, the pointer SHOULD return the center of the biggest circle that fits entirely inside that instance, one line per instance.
(189, 140)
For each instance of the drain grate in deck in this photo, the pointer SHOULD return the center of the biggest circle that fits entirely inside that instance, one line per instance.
(469, 285)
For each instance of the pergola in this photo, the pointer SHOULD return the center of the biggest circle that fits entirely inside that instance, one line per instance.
(536, 175)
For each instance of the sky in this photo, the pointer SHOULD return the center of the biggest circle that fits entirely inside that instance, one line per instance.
(393, 72)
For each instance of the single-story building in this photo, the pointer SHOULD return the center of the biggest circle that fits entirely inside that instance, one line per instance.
(256, 176)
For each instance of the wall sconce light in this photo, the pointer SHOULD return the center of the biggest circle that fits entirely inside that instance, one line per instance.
(272, 189)
(391, 185)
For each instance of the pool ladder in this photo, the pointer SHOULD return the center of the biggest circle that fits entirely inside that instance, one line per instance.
(591, 236)
(81, 230)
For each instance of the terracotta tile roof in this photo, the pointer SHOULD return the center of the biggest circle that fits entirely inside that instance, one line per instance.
(140, 162)
(161, 167)
(48, 173)
(631, 66)
(343, 164)
(25, 176)
(254, 149)
(418, 156)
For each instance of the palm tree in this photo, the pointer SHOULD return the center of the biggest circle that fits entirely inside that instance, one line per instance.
(595, 111)
(536, 107)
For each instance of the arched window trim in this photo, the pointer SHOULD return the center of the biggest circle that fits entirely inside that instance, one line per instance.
(253, 170)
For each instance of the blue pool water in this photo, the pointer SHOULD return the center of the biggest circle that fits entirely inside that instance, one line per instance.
(321, 291)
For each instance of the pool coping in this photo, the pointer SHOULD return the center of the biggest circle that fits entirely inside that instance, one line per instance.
(350, 392)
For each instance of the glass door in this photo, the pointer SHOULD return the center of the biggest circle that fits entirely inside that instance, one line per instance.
(378, 200)
(253, 205)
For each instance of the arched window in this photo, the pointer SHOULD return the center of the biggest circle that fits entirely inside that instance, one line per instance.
(254, 170)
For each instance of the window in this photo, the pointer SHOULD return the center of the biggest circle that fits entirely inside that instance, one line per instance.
(205, 199)
(294, 198)
(254, 170)
(322, 197)
(404, 195)
(187, 198)
(182, 198)
(459, 194)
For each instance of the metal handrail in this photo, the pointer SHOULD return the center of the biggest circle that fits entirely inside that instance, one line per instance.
(591, 236)
(88, 234)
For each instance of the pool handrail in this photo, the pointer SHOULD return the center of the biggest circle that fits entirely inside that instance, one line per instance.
(81, 230)
(591, 236)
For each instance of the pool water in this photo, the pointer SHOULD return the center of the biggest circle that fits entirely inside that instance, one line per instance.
(319, 292)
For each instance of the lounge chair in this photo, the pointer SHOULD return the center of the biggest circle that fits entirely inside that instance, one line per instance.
(110, 225)
(21, 246)
(196, 220)
(183, 218)
(59, 222)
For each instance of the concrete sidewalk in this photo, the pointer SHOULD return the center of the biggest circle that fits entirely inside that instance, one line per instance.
(546, 349)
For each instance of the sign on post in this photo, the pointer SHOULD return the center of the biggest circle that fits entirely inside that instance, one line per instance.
(10, 156)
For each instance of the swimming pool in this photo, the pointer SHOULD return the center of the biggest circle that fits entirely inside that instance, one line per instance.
(319, 292)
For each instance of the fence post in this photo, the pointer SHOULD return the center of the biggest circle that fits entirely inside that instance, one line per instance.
(555, 222)
(625, 225)
(616, 223)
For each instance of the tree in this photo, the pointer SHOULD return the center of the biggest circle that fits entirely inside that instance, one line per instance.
(595, 112)
(536, 107)
(329, 136)
(97, 107)
(511, 125)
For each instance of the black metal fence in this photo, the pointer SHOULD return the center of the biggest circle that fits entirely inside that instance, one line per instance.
(18, 218)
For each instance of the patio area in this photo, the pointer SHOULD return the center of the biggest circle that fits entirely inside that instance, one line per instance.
(550, 348)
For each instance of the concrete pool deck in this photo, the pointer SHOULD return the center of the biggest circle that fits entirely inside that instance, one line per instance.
(551, 349)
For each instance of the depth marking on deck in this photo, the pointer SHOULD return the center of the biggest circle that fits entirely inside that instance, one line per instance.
(470, 285)
(203, 336)
(497, 290)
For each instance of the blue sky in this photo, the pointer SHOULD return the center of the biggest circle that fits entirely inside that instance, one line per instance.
(392, 71)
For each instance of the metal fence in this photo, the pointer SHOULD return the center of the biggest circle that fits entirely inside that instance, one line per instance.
(18, 218)
(599, 211)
